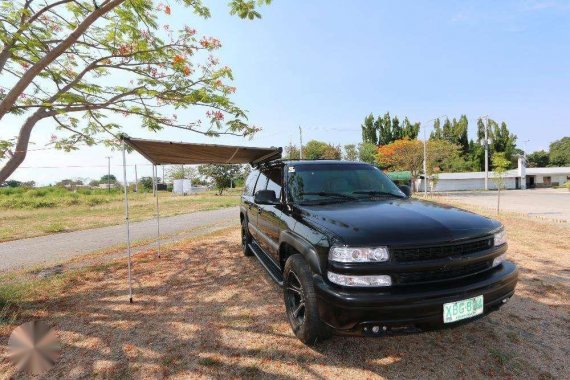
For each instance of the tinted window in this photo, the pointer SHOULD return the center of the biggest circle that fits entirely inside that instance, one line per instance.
(250, 182)
(274, 182)
(354, 180)
(261, 182)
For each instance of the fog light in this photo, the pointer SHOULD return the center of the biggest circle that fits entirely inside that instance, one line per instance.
(375, 329)
(360, 281)
(499, 259)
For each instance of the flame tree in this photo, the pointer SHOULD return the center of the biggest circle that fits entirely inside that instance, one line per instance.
(406, 154)
(79, 64)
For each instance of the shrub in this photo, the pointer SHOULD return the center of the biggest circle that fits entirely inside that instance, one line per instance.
(94, 201)
(54, 227)
(37, 193)
(84, 191)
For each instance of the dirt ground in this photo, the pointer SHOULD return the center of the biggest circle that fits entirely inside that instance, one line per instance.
(205, 311)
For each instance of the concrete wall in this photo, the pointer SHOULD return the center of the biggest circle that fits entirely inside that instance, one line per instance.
(468, 184)
(555, 180)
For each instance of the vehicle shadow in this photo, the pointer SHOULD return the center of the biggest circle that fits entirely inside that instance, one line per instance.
(204, 310)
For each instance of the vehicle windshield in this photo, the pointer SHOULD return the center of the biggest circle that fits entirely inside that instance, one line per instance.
(320, 182)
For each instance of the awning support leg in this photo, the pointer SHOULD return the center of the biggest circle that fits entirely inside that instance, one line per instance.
(157, 211)
(126, 186)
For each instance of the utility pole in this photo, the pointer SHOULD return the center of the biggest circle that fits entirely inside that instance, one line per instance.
(301, 141)
(163, 174)
(108, 173)
(524, 151)
(425, 163)
(136, 180)
(486, 144)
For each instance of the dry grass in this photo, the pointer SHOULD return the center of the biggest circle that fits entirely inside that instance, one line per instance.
(17, 223)
(205, 311)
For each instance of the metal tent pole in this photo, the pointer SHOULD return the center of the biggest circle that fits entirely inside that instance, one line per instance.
(157, 213)
(127, 221)
(153, 180)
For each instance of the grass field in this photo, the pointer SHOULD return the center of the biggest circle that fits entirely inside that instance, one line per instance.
(27, 213)
(205, 311)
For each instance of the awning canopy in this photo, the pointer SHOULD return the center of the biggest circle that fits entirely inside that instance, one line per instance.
(180, 153)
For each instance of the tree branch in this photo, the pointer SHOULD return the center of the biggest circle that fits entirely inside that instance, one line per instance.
(5, 53)
(11, 97)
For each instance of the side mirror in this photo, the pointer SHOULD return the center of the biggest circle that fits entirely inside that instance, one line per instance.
(406, 190)
(266, 197)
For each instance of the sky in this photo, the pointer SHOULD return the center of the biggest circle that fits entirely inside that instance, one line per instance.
(324, 65)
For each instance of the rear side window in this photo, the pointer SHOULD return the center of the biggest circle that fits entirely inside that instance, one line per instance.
(274, 182)
(250, 183)
(261, 182)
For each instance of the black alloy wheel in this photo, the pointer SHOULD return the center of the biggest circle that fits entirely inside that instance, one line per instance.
(295, 299)
(301, 302)
(245, 239)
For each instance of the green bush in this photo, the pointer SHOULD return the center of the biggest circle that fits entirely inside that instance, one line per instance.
(37, 193)
(53, 228)
(94, 201)
(12, 190)
(47, 197)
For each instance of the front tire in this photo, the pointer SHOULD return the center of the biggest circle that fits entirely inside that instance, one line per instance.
(301, 302)
(245, 239)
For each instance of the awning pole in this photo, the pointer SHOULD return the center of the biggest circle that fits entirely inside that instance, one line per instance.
(157, 212)
(127, 221)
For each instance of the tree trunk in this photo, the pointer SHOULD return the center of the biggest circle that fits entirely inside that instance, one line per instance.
(21, 146)
(498, 201)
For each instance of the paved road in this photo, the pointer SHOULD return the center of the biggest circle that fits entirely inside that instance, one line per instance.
(52, 249)
(544, 203)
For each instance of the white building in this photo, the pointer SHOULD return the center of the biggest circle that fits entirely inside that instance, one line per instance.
(520, 178)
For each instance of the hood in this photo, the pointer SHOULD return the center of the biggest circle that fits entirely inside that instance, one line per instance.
(396, 222)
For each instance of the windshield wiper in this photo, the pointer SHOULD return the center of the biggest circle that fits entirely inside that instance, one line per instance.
(376, 192)
(328, 194)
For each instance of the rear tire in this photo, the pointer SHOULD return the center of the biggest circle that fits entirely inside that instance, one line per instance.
(245, 239)
(301, 302)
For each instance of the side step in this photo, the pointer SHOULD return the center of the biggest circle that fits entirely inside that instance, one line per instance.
(268, 264)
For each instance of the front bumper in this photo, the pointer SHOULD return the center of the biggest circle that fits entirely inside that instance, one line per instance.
(409, 309)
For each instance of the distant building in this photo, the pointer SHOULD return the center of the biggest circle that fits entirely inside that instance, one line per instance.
(520, 178)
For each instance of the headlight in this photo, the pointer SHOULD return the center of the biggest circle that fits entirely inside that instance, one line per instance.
(500, 237)
(358, 255)
(360, 281)
(499, 259)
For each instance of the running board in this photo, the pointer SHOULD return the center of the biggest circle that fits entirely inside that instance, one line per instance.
(268, 264)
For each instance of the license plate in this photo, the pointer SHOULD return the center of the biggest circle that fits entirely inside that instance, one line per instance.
(456, 311)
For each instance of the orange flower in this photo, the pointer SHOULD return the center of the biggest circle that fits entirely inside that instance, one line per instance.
(167, 10)
(186, 70)
(178, 59)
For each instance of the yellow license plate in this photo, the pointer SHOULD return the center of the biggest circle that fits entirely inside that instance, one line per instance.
(456, 311)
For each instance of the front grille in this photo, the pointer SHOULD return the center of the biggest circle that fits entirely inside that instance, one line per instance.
(442, 274)
(440, 251)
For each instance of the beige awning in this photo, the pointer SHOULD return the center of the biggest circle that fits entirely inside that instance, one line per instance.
(180, 153)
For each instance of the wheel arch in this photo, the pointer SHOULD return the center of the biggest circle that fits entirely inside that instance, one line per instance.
(291, 244)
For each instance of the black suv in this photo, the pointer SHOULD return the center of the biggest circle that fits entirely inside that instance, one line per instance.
(356, 255)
